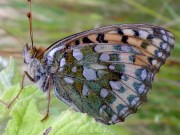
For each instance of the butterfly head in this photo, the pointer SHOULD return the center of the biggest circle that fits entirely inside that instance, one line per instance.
(30, 53)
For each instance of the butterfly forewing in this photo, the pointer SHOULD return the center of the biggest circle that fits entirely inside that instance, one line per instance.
(107, 72)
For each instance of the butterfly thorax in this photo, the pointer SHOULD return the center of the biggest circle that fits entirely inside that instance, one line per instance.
(39, 66)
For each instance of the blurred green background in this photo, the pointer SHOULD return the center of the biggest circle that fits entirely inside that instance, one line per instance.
(55, 19)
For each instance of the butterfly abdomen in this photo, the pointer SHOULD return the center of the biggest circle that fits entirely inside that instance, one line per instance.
(39, 74)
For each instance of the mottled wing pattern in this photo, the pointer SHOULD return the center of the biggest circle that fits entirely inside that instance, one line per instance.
(107, 72)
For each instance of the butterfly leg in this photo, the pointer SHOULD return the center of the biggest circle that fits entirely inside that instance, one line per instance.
(29, 77)
(22, 86)
(49, 98)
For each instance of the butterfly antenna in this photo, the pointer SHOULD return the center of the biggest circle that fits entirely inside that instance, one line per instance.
(29, 15)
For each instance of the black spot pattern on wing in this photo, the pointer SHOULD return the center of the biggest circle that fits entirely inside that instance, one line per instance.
(77, 42)
(136, 33)
(124, 39)
(120, 32)
(100, 38)
(86, 40)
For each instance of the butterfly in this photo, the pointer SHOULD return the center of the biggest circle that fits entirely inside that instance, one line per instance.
(105, 72)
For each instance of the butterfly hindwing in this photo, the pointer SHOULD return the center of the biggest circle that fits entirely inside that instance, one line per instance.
(107, 72)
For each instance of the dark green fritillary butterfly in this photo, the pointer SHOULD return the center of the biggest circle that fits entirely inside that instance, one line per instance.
(105, 72)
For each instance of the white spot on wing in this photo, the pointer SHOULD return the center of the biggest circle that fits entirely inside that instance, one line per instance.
(123, 111)
(162, 31)
(104, 93)
(171, 40)
(97, 48)
(123, 77)
(104, 57)
(113, 118)
(164, 45)
(85, 90)
(135, 101)
(112, 67)
(114, 85)
(74, 69)
(62, 62)
(125, 48)
(159, 54)
(128, 32)
(89, 74)
(143, 34)
(165, 37)
(77, 54)
(154, 62)
(143, 74)
(141, 88)
(102, 109)
(68, 80)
